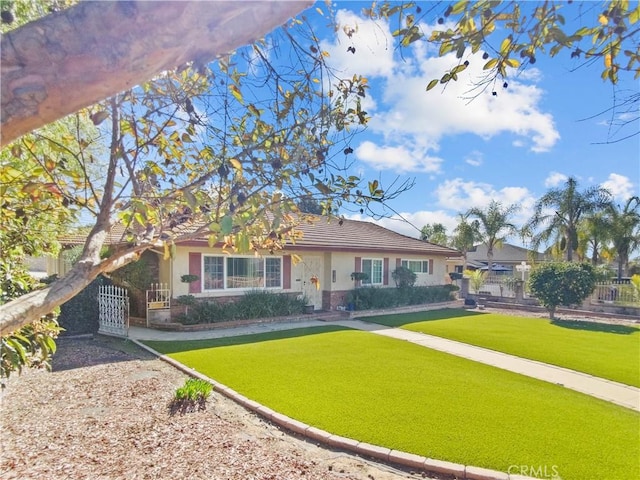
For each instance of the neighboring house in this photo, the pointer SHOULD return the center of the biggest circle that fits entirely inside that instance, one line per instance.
(61, 264)
(505, 258)
(319, 265)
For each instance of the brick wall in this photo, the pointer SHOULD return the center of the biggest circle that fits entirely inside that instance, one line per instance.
(330, 300)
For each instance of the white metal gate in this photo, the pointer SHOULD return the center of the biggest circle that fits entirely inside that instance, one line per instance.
(158, 303)
(113, 303)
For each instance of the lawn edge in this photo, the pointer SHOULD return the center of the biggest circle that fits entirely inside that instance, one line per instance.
(407, 460)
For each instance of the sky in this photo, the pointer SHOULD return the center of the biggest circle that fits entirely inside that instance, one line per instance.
(512, 147)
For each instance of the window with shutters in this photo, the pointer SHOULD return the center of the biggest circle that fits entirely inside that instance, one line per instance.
(416, 266)
(225, 273)
(373, 267)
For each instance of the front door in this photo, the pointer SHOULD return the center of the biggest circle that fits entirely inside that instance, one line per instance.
(312, 267)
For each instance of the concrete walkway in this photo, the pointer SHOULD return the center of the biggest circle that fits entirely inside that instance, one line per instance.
(620, 394)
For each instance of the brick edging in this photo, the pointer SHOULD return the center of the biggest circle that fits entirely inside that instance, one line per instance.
(408, 460)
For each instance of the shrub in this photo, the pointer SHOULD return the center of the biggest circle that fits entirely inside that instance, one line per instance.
(368, 298)
(404, 277)
(81, 314)
(32, 345)
(635, 285)
(191, 397)
(253, 304)
(561, 283)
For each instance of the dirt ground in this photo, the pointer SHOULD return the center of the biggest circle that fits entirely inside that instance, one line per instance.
(102, 413)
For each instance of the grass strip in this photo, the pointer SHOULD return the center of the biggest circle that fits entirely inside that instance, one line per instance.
(604, 350)
(406, 397)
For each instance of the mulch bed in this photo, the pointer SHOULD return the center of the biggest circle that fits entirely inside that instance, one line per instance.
(102, 413)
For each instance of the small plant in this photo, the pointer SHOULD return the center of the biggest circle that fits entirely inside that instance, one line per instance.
(187, 301)
(476, 279)
(359, 276)
(191, 397)
(189, 278)
(404, 277)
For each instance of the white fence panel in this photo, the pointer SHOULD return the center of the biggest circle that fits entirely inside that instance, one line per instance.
(113, 303)
(623, 294)
(498, 286)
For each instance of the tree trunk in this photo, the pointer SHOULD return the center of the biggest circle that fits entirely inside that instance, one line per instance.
(620, 266)
(30, 307)
(489, 261)
(74, 58)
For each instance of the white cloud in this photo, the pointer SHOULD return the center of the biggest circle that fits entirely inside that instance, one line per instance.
(403, 113)
(409, 224)
(373, 43)
(400, 159)
(460, 196)
(554, 179)
(530, 73)
(475, 158)
(620, 186)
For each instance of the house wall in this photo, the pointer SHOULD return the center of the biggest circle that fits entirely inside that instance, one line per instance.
(175, 268)
(327, 266)
(165, 268)
(345, 264)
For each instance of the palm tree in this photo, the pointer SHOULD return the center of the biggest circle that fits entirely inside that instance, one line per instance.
(465, 235)
(594, 234)
(624, 231)
(494, 226)
(559, 211)
(434, 233)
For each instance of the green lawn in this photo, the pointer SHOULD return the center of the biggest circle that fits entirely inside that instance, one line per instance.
(403, 396)
(607, 351)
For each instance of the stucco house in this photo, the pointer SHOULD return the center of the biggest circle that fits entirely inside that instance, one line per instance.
(507, 254)
(319, 265)
(505, 258)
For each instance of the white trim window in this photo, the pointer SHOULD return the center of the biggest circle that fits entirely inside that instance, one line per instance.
(212, 272)
(240, 273)
(416, 266)
(373, 267)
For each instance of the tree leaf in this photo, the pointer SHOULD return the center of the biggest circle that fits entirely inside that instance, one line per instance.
(235, 91)
(459, 7)
(512, 62)
(432, 84)
(226, 225)
(490, 64)
(190, 198)
(504, 46)
(236, 164)
(98, 117)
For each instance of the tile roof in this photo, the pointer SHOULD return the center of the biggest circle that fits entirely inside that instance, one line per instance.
(116, 235)
(322, 235)
(355, 235)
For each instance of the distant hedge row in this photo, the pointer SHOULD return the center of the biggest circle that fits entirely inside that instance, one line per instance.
(368, 298)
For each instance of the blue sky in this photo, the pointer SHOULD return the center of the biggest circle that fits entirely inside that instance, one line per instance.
(511, 147)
